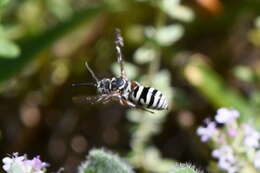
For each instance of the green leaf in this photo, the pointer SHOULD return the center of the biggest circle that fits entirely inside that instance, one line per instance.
(176, 11)
(34, 45)
(8, 49)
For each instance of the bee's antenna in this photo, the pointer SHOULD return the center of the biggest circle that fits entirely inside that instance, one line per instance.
(91, 72)
(83, 84)
(119, 39)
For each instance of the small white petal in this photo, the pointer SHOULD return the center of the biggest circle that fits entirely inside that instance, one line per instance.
(6, 167)
(257, 160)
(7, 160)
(226, 116)
(252, 136)
(207, 132)
(216, 153)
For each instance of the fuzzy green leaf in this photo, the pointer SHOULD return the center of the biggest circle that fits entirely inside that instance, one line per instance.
(184, 168)
(100, 161)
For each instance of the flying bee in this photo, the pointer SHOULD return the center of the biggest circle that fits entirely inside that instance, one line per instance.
(128, 93)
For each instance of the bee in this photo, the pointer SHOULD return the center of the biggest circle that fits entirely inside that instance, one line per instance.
(129, 93)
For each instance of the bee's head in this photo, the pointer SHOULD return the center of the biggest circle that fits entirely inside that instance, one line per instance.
(117, 83)
(103, 86)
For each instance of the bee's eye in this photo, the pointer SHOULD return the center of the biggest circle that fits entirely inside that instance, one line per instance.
(117, 82)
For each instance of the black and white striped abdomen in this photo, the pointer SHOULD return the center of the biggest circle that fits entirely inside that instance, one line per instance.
(148, 97)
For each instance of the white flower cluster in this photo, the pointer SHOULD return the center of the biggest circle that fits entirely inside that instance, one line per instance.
(234, 142)
(20, 164)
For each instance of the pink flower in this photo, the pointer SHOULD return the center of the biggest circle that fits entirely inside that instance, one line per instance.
(207, 132)
(7, 163)
(13, 160)
(226, 159)
(232, 132)
(223, 152)
(257, 160)
(36, 163)
(226, 116)
(252, 136)
(21, 164)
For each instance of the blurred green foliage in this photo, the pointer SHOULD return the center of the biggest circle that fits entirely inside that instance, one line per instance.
(32, 46)
(3, 3)
(8, 49)
(202, 57)
(214, 88)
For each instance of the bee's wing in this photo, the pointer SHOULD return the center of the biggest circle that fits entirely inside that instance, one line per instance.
(119, 45)
(87, 99)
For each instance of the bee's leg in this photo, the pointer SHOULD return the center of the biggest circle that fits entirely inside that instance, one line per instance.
(123, 101)
(145, 109)
(132, 105)
(127, 103)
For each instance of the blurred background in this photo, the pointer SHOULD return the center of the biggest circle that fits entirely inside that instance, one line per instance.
(203, 54)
